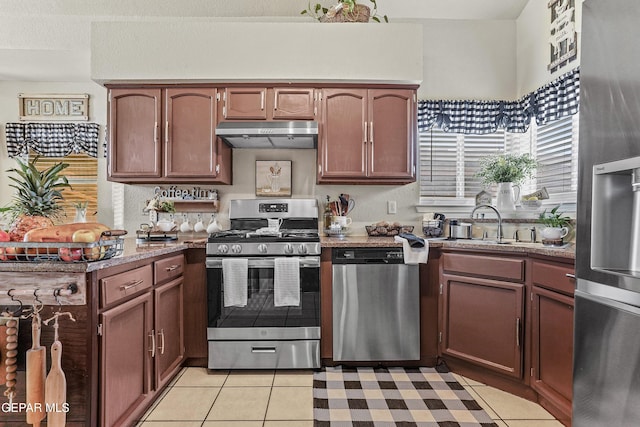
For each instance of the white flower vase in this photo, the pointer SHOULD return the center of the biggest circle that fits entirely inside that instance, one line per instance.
(81, 215)
(508, 194)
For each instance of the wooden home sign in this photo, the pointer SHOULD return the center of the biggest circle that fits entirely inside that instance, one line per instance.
(563, 39)
(54, 107)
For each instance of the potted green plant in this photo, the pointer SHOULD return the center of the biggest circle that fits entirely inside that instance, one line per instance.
(507, 171)
(344, 11)
(557, 224)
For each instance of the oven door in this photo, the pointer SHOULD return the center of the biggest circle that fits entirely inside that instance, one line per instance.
(260, 319)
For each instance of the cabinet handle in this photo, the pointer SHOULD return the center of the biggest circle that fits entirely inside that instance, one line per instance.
(155, 132)
(166, 131)
(131, 285)
(161, 335)
(153, 343)
(371, 132)
(365, 132)
(173, 267)
(518, 332)
(570, 276)
(275, 101)
(262, 100)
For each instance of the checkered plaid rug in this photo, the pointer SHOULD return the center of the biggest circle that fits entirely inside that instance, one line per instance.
(381, 397)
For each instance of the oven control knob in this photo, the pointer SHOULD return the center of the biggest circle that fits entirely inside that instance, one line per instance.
(288, 248)
(303, 249)
(223, 249)
(262, 248)
(236, 249)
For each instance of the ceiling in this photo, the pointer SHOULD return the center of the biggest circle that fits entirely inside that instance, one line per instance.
(52, 43)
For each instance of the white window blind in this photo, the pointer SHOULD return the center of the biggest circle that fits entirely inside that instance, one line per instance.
(449, 162)
(475, 148)
(438, 163)
(556, 154)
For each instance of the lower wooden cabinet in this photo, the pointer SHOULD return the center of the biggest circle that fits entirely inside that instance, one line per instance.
(511, 316)
(141, 338)
(552, 348)
(552, 304)
(169, 331)
(126, 363)
(482, 323)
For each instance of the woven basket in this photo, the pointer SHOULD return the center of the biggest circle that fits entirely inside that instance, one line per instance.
(360, 13)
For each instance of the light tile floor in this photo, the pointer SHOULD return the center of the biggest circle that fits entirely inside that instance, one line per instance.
(201, 398)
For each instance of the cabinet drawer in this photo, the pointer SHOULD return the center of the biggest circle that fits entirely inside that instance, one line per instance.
(119, 286)
(553, 276)
(168, 268)
(485, 266)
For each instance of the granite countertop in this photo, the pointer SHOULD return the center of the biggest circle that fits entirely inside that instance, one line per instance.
(132, 251)
(567, 251)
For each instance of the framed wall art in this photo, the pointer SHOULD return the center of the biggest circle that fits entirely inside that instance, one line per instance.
(273, 178)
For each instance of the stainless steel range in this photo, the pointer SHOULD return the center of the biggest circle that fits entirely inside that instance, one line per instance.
(263, 284)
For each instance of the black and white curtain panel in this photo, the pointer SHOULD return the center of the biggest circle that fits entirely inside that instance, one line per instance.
(52, 139)
(551, 102)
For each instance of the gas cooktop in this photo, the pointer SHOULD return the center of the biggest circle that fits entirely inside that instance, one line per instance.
(264, 235)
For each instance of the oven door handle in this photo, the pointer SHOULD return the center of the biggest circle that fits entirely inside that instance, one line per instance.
(305, 262)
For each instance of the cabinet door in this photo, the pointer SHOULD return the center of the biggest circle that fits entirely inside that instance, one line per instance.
(392, 129)
(482, 323)
(293, 104)
(245, 103)
(552, 347)
(343, 143)
(189, 133)
(169, 330)
(135, 150)
(125, 368)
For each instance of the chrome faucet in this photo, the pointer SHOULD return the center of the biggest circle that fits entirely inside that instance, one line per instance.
(499, 233)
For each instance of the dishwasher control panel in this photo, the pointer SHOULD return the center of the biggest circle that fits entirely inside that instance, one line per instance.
(367, 256)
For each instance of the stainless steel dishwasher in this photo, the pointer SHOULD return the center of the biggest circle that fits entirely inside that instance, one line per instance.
(376, 305)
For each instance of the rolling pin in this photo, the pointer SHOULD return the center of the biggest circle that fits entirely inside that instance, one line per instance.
(36, 372)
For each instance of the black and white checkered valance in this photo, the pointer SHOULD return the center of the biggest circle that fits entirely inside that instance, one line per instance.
(551, 102)
(52, 139)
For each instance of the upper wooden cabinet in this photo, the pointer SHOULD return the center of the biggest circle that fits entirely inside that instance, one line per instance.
(135, 151)
(367, 136)
(262, 103)
(166, 135)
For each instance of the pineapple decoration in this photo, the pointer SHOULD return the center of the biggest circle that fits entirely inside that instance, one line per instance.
(37, 199)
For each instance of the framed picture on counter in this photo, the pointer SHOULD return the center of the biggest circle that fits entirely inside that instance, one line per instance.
(273, 178)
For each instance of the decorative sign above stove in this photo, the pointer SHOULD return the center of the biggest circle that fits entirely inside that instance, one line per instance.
(53, 107)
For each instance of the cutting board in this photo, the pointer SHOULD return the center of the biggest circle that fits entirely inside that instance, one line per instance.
(56, 388)
(36, 372)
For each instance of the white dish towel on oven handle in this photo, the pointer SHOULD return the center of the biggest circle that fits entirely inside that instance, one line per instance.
(235, 276)
(286, 282)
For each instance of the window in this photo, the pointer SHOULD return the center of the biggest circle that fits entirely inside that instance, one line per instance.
(82, 174)
(448, 161)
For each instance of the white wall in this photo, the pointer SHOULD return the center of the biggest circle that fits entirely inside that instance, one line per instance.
(466, 59)
(462, 59)
(210, 50)
(533, 46)
(97, 114)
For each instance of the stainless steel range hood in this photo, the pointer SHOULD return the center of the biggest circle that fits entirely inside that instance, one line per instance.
(286, 134)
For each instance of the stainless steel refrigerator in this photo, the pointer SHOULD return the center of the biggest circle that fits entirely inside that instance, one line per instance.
(606, 372)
